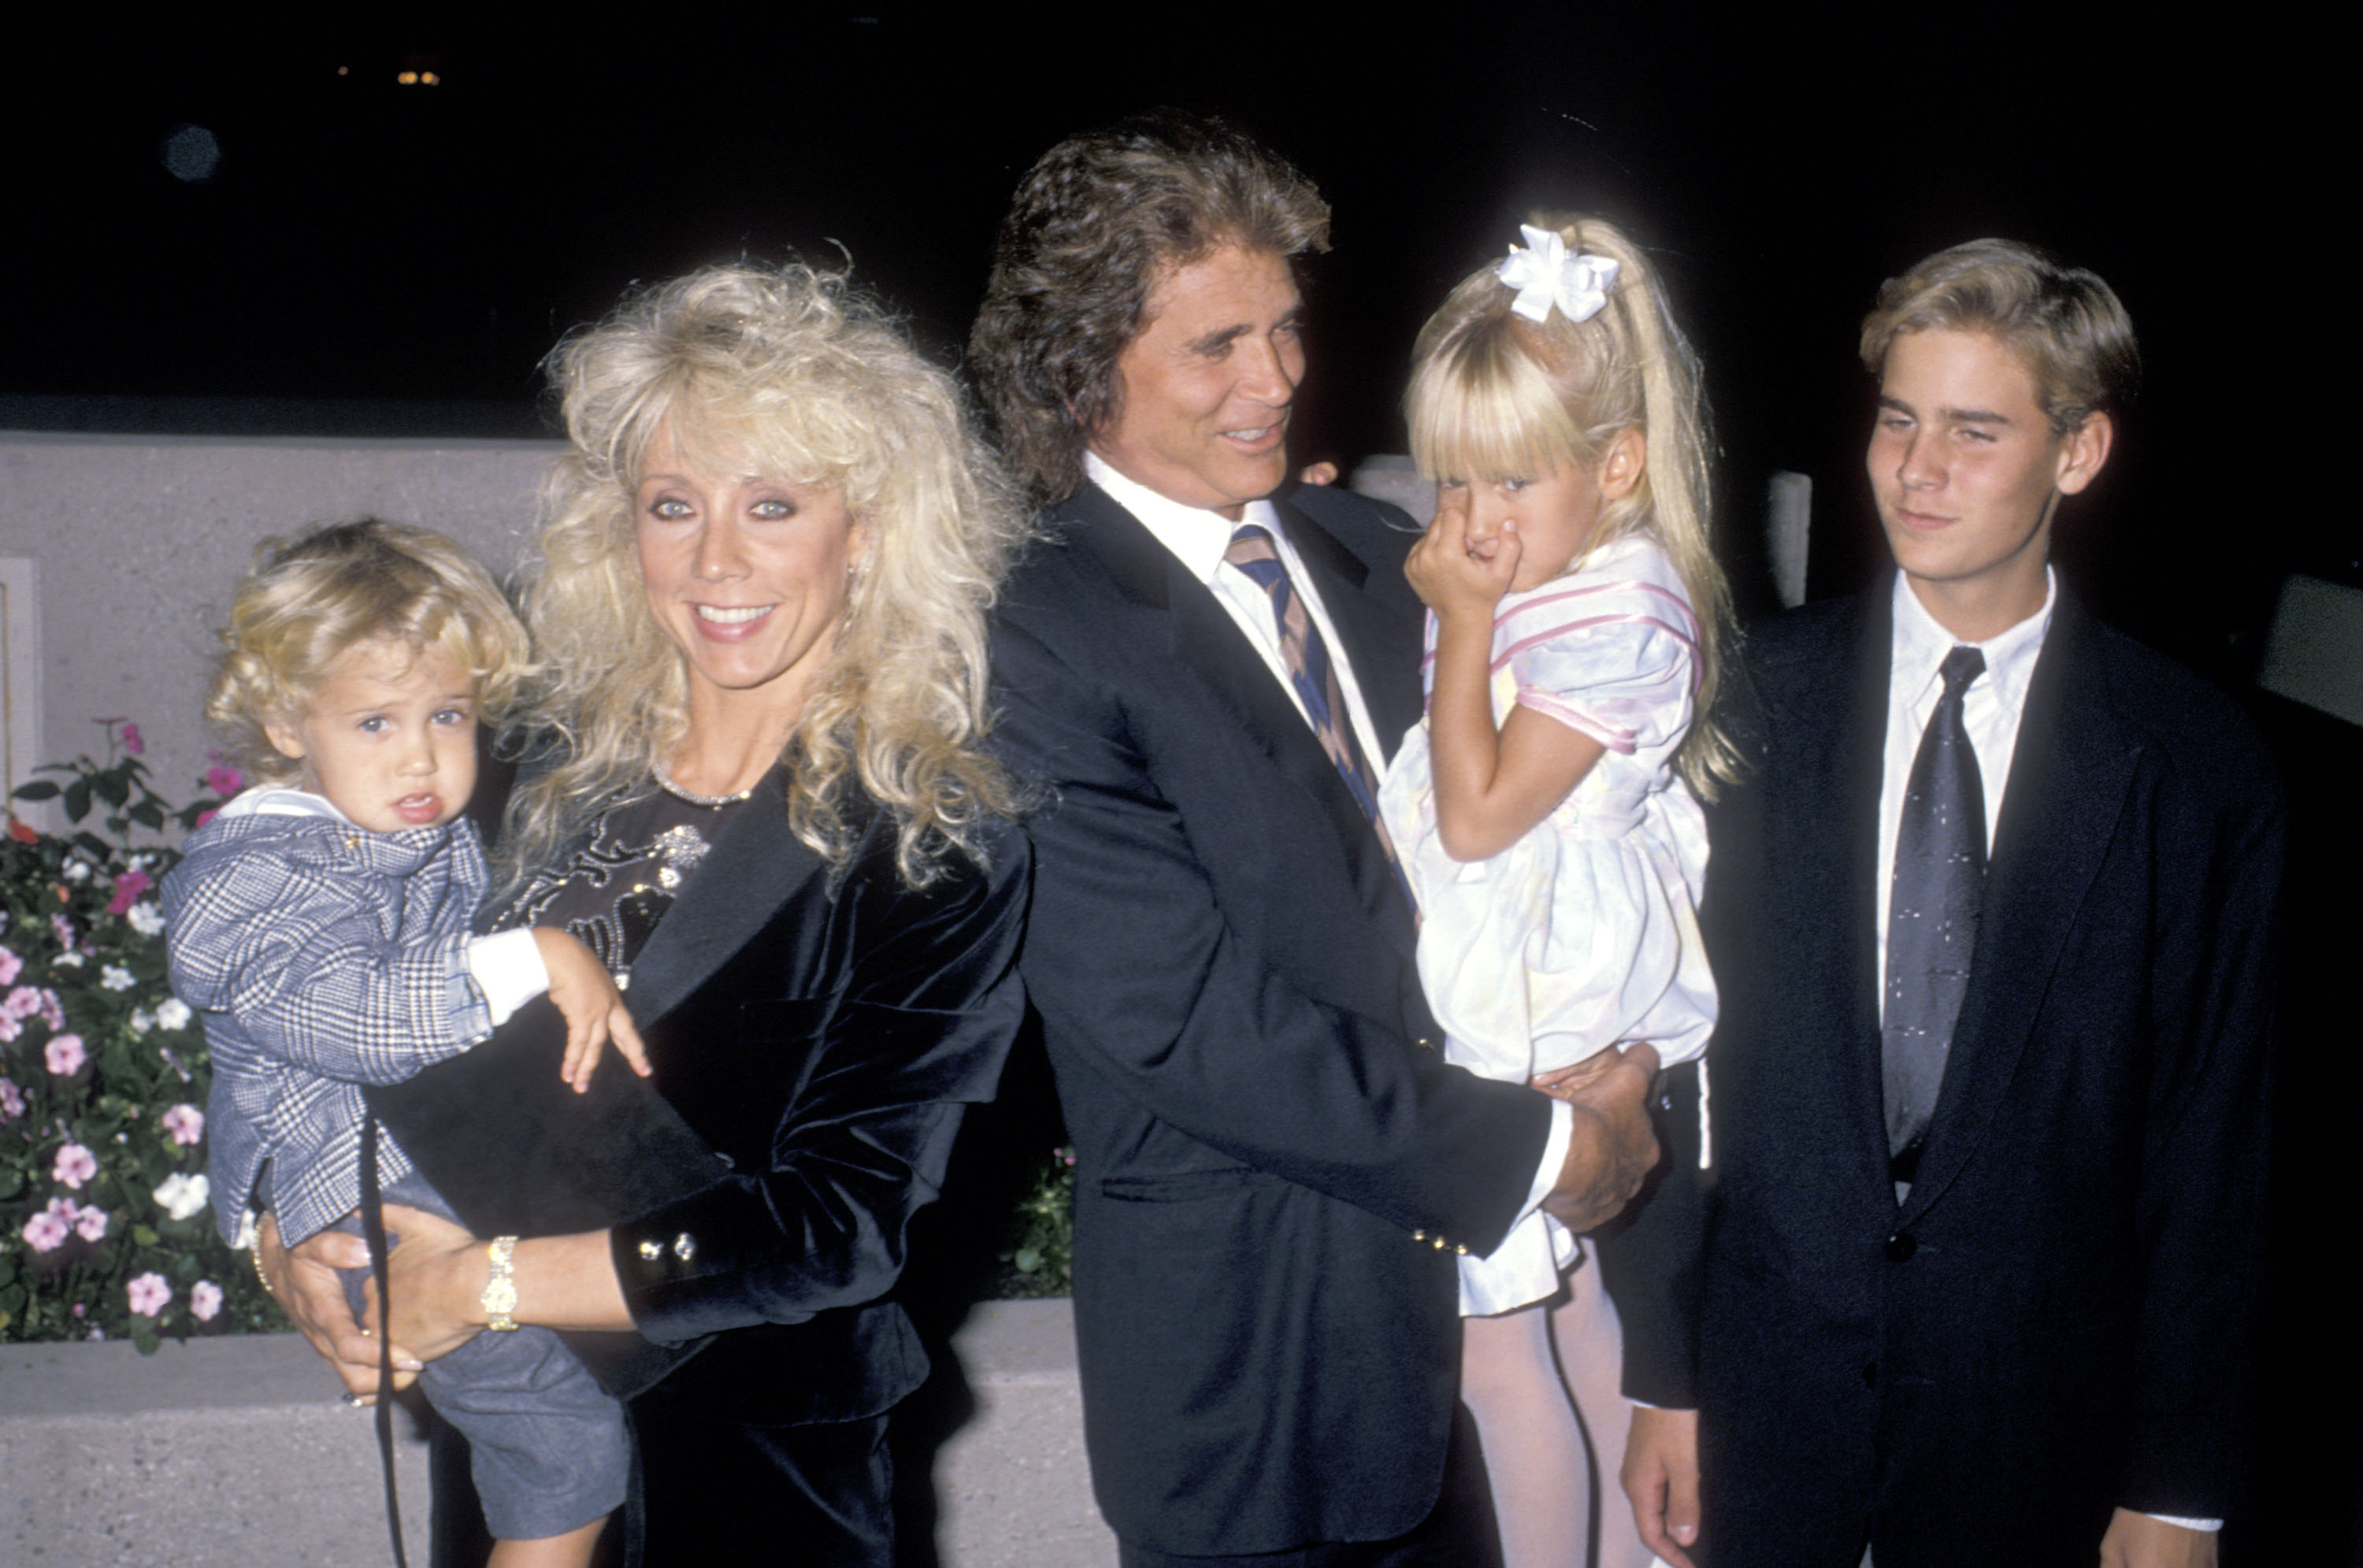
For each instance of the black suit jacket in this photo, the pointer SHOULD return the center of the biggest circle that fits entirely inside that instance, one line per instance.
(2056, 1322)
(1223, 963)
(817, 1037)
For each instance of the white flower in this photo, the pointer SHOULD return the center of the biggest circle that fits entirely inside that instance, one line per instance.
(173, 1013)
(77, 869)
(142, 1020)
(147, 919)
(182, 1195)
(115, 977)
(66, 961)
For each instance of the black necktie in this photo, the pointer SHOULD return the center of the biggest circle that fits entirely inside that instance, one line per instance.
(1932, 920)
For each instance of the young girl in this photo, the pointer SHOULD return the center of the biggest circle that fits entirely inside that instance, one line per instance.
(320, 924)
(1544, 814)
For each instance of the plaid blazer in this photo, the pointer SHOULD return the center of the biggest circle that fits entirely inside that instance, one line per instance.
(322, 957)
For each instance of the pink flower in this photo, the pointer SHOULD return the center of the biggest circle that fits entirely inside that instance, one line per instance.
(9, 965)
(225, 781)
(65, 1055)
(75, 1166)
(64, 928)
(128, 888)
(22, 1003)
(187, 1123)
(9, 1028)
(205, 1300)
(148, 1294)
(53, 1014)
(11, 1100)
(46, 1232)
(89, 1224)
(131, 741)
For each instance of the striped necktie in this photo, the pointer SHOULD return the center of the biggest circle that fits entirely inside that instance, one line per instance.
(1311, 672)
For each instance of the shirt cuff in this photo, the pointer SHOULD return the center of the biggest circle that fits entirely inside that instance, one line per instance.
(509, 970)
(2189, 1524)
(1562, 1133)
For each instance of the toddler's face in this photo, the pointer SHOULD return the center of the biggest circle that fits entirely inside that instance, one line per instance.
(389, 736)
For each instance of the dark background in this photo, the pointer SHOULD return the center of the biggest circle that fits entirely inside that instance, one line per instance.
(371, 258)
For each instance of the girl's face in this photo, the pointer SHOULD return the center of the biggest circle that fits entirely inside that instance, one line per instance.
(389, 738)
(1553, 514)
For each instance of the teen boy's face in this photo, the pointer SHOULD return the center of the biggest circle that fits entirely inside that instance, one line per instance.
(1966, 469)
(389, 738)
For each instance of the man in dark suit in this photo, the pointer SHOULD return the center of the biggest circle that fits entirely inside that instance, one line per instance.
(1980, 1255)
(1205, 675)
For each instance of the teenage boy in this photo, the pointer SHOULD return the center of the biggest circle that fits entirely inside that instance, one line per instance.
(1993, 920)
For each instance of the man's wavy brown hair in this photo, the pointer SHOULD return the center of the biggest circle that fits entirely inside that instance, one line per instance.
(1094, 227)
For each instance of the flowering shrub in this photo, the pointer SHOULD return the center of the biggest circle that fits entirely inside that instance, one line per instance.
(1041, 1260)
(106, 1230)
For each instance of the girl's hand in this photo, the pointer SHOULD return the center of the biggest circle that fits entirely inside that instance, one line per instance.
(594, 1011)
(437, 1273)
(1454, 575)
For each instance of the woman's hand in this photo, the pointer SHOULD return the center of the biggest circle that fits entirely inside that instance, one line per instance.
(580, 985)
(436, 1274)
(1459, 577)
(304, 1284)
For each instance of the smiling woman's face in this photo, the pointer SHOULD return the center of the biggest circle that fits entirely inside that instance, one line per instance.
(748, 575)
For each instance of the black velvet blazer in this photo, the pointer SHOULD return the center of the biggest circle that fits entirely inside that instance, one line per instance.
(817, 1038)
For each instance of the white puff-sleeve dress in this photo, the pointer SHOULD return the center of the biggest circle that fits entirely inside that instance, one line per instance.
(1584, 934)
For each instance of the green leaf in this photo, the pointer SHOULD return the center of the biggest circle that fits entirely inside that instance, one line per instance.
(111, 786)
(38, 789)
(78, 801)
(147, 814)
(145, 1339)
(144, 1235)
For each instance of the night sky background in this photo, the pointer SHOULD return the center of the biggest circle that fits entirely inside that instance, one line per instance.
(371, 257)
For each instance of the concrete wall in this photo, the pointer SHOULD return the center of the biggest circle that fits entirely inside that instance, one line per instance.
(135, 542)
(235, 1451)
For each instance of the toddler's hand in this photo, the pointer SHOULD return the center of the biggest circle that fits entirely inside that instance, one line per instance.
(1454, 574)
(593, 1009)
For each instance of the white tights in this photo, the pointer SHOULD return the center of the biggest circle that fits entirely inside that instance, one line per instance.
(1543, 1383)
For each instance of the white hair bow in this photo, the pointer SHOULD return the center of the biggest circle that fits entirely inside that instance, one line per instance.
(1545, 275)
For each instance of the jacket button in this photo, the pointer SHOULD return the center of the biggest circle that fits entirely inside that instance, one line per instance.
(1901, 1246)
(685, 1246)
(650, 1251)
(1871, 1374)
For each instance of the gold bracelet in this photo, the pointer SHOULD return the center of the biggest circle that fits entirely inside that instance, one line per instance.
(254, 1251)
(500, 1297)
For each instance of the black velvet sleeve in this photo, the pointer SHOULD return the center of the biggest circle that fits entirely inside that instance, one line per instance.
(835, 1105)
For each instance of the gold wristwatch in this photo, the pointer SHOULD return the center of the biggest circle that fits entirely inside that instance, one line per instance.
(500, 1297)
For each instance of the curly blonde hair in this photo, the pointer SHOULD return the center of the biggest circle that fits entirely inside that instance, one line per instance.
(1495, 396)
(311, 599)
(789, 370)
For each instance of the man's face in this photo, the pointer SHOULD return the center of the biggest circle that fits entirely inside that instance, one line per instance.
(1207, 384)
(1966, 468)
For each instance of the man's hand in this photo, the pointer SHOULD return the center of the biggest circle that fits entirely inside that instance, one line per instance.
(580, 985)
(303, 1282)
(1614, 1146)
(2137, 1540)
(1661, 1477)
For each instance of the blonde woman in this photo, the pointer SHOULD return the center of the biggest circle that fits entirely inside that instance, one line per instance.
(761, 799)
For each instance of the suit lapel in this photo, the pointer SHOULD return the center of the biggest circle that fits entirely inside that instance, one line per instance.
(2071, 773)
(1203, 639)
(752, 869)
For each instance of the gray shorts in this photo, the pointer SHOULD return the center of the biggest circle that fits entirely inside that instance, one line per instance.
(549, 1445)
